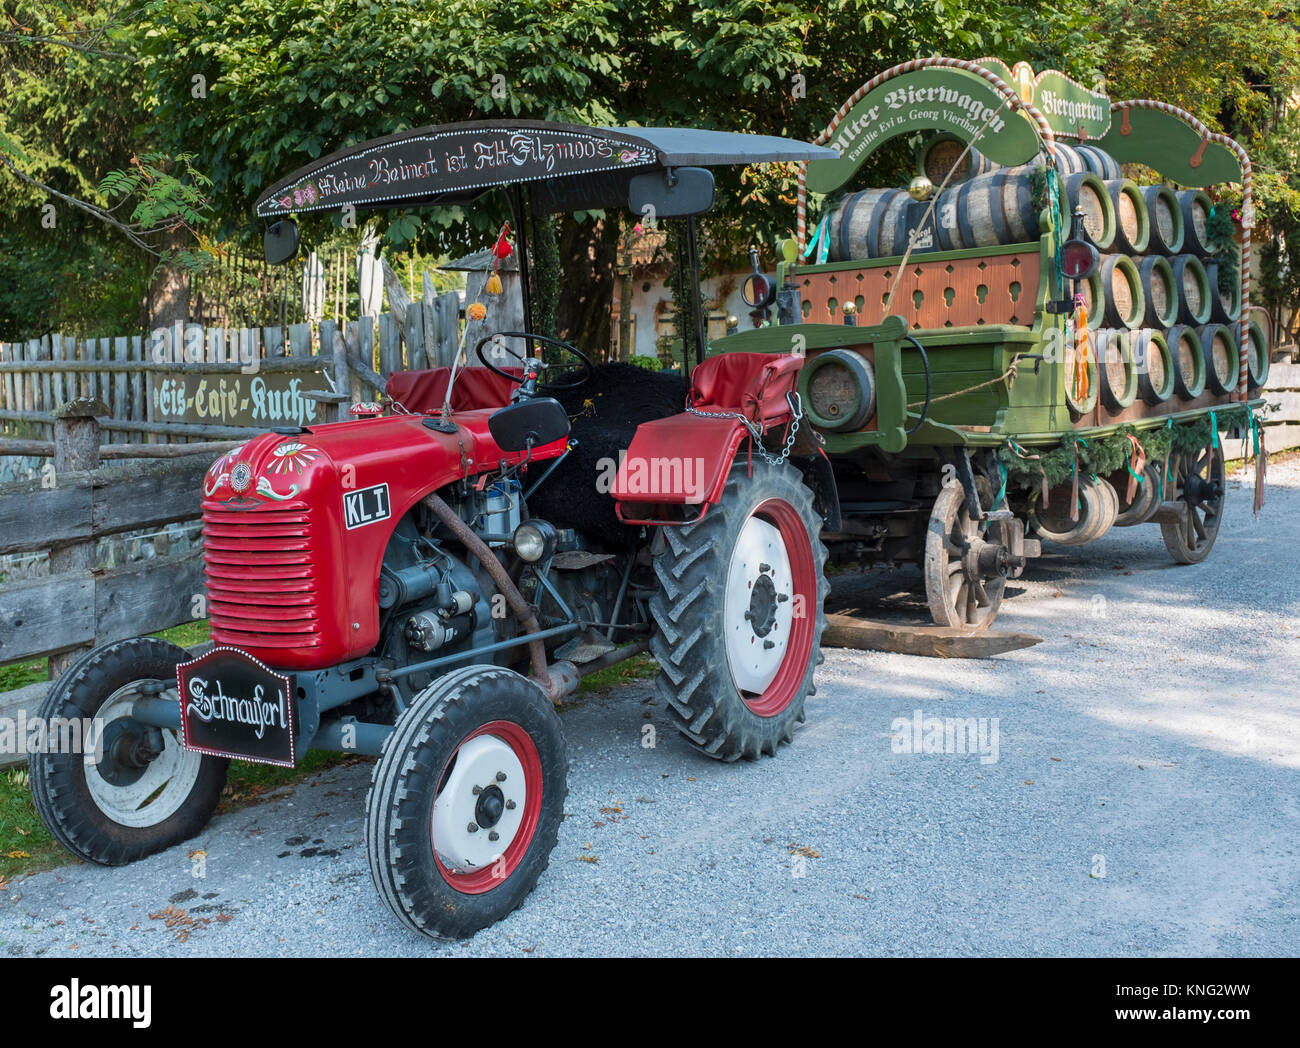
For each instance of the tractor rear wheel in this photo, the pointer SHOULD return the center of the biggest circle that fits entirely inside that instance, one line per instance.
(739, 614)
(466, 802)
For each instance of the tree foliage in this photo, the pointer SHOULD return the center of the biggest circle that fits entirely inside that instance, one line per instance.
(253, 89)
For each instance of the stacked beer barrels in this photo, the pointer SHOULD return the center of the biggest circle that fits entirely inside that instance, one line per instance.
(1155, 304)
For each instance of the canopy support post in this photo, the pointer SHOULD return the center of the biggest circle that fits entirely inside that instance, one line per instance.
(693, 249)
(522, 217)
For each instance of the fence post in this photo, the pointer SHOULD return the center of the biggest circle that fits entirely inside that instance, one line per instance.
(76, 448)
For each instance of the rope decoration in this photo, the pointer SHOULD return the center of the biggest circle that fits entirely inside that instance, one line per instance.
(1012, 96)
(1247, 205)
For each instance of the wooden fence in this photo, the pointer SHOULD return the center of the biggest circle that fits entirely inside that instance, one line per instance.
(66, 511)
(1282, 425)
(38, 375)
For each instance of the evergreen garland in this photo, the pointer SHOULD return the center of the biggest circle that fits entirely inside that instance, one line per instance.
(1106, 455)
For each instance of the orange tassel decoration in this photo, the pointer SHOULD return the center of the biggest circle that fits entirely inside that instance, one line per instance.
(1083, 345)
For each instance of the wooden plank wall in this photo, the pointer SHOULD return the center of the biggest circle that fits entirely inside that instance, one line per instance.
(432, 336)
(1282, 426)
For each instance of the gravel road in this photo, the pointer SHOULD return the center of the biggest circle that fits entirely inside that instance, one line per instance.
(1143, 801)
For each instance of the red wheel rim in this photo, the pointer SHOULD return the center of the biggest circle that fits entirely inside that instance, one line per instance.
(484, 880)
(786, 684)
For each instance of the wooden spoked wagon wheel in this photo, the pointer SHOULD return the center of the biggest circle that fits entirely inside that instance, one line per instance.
(965, 561)
(1199, 482)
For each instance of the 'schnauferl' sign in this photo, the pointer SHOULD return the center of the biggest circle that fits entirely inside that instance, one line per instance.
(449, 161)
(927, 99)
(233, 706)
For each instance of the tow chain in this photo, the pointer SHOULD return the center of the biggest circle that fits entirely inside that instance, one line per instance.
(757, 430)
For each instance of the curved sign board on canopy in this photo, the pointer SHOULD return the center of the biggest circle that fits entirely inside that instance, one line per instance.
(450, 162)
(1167, 144)
(934, 98)
(1071, 110)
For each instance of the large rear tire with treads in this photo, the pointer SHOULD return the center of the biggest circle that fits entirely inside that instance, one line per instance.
(739, 614)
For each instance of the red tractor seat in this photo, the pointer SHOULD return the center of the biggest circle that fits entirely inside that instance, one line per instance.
(754, 384)
(476, 387)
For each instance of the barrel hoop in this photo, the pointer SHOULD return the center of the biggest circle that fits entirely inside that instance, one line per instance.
(873, 228)
(846, 215)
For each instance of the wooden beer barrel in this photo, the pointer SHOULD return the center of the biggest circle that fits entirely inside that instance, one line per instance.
(1193, 290)
(1154, 364)
(1159, 291)
(939, 154)
(1119, 380)
(1196, 207)
(1093, 297)
(1257, 353)
(1224, 309)
(1085, 190)
(1099, 162)
(1068, 160)
(988, 210)
(1124, 303)
(1132, 224)
(1166, 220)
(1222, 359)
(869, 224)
(1189, 361)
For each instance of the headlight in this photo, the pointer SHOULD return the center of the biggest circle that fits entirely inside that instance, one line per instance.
(534, 540)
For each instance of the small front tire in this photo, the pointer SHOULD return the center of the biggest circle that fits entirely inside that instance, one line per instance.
(142, 791)
(466, 802)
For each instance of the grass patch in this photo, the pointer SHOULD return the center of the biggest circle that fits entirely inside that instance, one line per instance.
(25, 844)
(640, 667)
(250, 783)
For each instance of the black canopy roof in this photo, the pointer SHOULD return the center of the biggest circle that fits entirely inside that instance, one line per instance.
(571, 167)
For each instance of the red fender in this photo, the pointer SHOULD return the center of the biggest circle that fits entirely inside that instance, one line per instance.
(681, 462)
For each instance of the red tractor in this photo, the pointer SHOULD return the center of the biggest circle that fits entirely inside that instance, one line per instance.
(425, 583)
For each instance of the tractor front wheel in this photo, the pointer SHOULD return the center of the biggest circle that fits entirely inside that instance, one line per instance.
(466, 802)
(739, 614)
(130, 789)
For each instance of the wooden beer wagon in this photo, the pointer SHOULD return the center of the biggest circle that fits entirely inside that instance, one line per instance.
(1025, 343)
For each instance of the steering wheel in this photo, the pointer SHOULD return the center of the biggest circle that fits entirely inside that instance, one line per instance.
(528, 372)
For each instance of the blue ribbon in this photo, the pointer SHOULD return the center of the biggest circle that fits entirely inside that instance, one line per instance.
(821, 241)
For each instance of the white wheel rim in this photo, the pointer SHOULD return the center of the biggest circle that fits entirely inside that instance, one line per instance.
(754, 651)
(483, 764)
(158, 793)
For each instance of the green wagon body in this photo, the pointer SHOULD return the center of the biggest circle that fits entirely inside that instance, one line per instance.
(999, 404)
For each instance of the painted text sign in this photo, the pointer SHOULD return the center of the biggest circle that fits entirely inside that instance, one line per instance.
(419, 165)
(927, 99)
(233, 706)
(260, 401)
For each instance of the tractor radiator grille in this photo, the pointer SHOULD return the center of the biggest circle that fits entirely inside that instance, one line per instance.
(262, 588)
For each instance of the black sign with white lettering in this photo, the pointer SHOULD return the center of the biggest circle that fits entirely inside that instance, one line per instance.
(456, 159)
(366, 506)
(233, 706)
